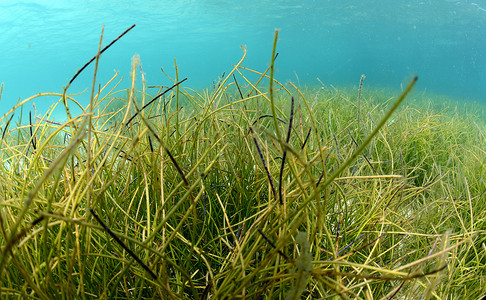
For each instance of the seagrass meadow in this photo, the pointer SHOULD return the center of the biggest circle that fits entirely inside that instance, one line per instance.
(248, 189)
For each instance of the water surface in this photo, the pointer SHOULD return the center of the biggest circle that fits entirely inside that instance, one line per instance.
(43, 43)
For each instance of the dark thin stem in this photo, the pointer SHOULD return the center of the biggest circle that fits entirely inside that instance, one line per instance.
(176, 165)
(151, 101)
(280, 197)
(267, 116)
(285, 151)
(127, 156)
(262, 76)
(359, 95)
(290, 120)
(132, 254)
(150, 143)
(23, 232)
(264, 165)
(238, 86)
(327, 156)
(270, 116)
(159, 139)
(397, 290)
(32, 139)
(151, 117)
(350, 244)
(47, 121)
(273, 246)
(306, 138)
(366, 245)
(364, 155)
(6, 126)
(320, 179)
(94, 57)
(220, 79)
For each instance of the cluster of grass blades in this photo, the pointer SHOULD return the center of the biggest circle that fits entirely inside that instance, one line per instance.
(241, 192)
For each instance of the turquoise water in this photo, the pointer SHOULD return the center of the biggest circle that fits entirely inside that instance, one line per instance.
(43, 43)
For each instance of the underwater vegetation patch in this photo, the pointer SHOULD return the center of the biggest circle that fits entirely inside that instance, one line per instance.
(241, 191)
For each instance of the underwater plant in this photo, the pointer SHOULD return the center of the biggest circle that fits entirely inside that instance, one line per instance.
(222, 194)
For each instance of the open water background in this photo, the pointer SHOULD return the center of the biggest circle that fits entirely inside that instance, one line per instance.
(43, 43)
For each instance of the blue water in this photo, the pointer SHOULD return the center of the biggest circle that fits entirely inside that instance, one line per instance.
(43, 43)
